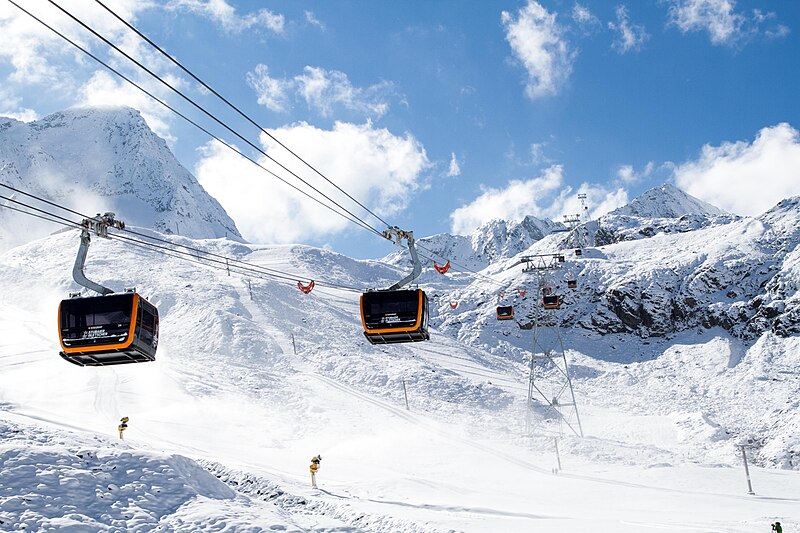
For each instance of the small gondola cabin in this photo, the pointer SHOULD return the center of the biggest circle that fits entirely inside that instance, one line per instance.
(115, 329)
(550, 300)
(572, 283)
(505, 312)
(391, 317)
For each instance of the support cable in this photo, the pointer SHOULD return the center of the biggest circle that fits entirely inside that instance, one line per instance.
(235, 108)
(204, 111)
(354, 220)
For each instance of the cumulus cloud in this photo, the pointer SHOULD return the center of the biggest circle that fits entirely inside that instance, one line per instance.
(629, 36)
(378, 168)
(538, 43)
(746, 178)
(628, 175)
(322, 90)
(454, 169)
(544, 196)
(38, 56)
(224, 14)
(724, 24)
(43, 62)
(11, 107)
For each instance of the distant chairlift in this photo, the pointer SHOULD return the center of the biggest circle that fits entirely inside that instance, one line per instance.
(393, 315)
(112, 329)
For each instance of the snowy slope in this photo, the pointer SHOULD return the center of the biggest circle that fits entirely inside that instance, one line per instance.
(247, 389)
(106, 158)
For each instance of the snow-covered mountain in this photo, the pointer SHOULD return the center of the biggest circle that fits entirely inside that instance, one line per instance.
(104, 159)
(489, 243)
(663, 209)
(682, 343)
(666, 201)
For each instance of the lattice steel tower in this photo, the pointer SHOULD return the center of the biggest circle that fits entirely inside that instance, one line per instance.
(549, 382)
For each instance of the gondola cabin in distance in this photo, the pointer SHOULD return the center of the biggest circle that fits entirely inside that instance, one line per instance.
(395, 316)
(114, 329)
(505, 312)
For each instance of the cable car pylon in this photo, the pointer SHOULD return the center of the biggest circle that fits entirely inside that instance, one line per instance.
(549, 382)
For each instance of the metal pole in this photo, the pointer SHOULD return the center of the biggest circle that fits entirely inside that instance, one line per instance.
(558, 457)
(746, 470)
(227, 266)
(250, 288)
(294, 346)
(405, 393)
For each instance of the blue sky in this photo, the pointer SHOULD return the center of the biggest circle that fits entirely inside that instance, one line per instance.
(440, 115)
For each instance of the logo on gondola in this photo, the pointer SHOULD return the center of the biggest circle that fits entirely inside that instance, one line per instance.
(94, 332)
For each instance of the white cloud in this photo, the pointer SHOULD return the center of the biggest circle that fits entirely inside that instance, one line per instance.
(585, 19)
(454, 169)
(628, 175)
(103, 89)
(538, 43)
(38, 56)
(224, 14)
(322, 90)
(746, 178)
(720, 19)
(11, 107)
(545, 196)
(44, 63)
(630, 36)
(378, 168)
(271, 92)
(313, 20)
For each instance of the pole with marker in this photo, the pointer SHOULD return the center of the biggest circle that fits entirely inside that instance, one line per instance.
(123, 425)
(314, 467)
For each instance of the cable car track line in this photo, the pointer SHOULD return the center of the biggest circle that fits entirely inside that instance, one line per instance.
(187, 119)
(355, 219)
(235, 108)
(207, 113)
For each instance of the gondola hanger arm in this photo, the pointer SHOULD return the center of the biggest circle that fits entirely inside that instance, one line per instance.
(397, 236)
(99, 226)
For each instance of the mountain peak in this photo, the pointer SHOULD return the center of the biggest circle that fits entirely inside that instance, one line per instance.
(96, 159)
(666, 201)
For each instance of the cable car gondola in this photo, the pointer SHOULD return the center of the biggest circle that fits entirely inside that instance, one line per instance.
(108, 330)
(396, 315)
(572, 283)
(505, 312)
(111, 329)
(550, 300)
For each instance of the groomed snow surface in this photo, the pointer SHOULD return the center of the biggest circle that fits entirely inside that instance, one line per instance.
(253, 379)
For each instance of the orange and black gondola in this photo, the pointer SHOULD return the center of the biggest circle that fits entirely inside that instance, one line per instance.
(115, 329)
(505, 312)
(395, 316)
(550, 300)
